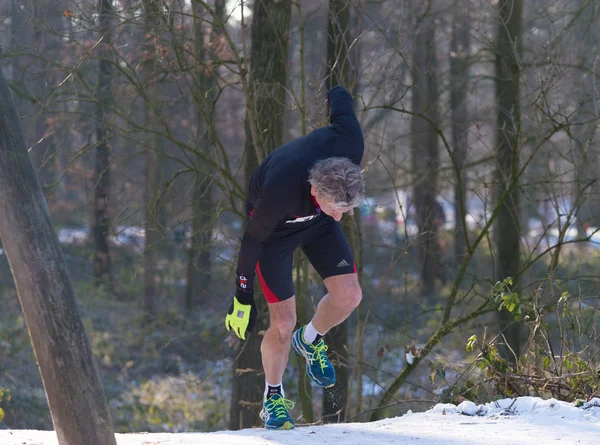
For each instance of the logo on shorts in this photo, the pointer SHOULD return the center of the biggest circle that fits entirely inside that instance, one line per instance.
(343, 263)
(243, 282)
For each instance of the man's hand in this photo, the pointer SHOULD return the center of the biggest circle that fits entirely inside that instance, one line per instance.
(241, 318)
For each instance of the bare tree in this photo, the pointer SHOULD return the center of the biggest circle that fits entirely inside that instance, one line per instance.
(62, 350)
(582, 133)
(203, 213)
(268, 77)
(459, 85)
(338, 73)
(101, 218)
(152, 17)
(425, 151)
(507, 231)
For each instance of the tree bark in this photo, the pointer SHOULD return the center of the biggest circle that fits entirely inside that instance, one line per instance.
(199, 267)
(459, 85)
(268, 77)
(586, 155)
(152, 226)
(62, 350)
(425, 153)
(101, 221)
(300, 260)
(46, 19)
(507, 228)
(338, 73)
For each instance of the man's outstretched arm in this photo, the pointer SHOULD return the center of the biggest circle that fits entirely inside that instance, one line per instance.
(349, 137)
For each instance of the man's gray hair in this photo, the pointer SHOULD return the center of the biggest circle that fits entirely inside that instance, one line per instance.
(339, 179)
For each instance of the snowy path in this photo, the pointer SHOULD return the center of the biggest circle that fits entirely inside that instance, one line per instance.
(533, 422)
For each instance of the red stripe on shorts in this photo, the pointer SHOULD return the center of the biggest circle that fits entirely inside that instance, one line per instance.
(269, 295)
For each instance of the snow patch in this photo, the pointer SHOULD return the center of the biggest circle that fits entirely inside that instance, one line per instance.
(520, 421)
(525, 406)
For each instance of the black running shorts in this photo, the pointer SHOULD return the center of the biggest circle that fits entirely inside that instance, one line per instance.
(324, 244)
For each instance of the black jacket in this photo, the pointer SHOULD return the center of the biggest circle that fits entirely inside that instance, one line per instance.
(279, 191)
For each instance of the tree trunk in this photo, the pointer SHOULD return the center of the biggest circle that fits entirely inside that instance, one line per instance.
(507, 228)
(62, 350)
(459, 85)
(199, 267)
(24, 38)
(46, 18)
(338, 73)
(301, 262)
(585, 150)
(425, 153)
(152, 226)
(302, 313)
(268, 77)
(101, 221)
(197, 290)
(338, 42)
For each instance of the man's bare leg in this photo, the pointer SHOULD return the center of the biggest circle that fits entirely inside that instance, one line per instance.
(344, 295)
(275, 347)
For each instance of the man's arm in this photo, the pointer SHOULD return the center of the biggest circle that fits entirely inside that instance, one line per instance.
(269, 209)
(349, 137)
(340, 104)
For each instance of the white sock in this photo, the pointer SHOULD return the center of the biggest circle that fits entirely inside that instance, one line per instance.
(267, 384)
(310, 333)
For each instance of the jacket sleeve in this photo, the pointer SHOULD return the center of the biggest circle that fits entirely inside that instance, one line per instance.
(349, 137)
(268, 210)
(341, 105)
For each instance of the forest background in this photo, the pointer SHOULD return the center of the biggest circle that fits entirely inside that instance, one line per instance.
(477, 247)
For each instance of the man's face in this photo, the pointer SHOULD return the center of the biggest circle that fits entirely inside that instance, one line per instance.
(327, 205)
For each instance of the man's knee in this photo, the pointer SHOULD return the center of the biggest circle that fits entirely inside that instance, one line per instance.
(349, 295)
(283, 322)
(354, 296)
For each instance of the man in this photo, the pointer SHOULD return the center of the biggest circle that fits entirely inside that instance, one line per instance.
(296, 198)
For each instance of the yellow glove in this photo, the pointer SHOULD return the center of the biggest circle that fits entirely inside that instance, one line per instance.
(241, 318)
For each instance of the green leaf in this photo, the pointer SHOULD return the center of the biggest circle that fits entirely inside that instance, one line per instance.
(471, 343)
(568, 364)
(546, 362)
(563, 297)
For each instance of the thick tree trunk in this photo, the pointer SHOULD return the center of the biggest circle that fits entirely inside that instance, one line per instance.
(338, 42)
(459, 85)
(268, 77)
(507, 228)
(338, 73)
(62, 350)
(101, 221)
(425, 153)
(300, 261)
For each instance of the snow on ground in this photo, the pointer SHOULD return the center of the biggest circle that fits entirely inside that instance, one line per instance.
(526, 420)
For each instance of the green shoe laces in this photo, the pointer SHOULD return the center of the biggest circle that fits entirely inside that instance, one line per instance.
(319, 354)
(279, 406)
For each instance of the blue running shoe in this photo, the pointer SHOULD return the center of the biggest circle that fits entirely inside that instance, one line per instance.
(275, 413)
(318, 366)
